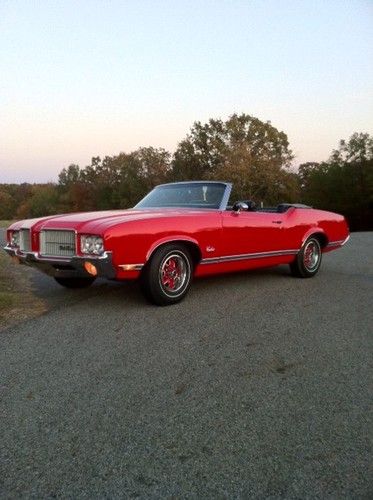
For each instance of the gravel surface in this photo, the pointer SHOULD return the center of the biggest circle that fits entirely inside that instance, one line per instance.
(258, 385)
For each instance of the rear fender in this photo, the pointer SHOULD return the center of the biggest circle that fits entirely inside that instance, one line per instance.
(315, 230)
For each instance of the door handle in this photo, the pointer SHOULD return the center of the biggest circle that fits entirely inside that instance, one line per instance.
(277, 222)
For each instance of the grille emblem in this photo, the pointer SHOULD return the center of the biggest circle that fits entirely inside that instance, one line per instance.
(67, 248)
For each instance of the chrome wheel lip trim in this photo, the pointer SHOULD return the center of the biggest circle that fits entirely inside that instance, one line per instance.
(186, 278)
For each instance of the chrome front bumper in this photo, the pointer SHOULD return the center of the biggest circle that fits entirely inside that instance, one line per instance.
(65, 267)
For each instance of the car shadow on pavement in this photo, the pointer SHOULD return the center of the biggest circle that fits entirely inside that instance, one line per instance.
(55, 296)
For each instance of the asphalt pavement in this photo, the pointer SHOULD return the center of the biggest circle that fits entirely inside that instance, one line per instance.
(257, 385)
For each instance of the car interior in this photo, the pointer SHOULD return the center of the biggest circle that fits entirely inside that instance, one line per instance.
(251, 207)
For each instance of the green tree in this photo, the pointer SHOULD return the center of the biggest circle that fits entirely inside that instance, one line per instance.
(70, 175)
(73, 193)
(43, 201)
(6, 204)
(114, 181)
(155, 165)
(358, 149)
(251, 153)
(344, 183)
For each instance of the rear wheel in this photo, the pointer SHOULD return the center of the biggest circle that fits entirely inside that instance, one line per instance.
(308, 260)
(75, 282)
(167, 276)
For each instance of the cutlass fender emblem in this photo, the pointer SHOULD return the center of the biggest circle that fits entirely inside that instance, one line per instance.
(210, 249)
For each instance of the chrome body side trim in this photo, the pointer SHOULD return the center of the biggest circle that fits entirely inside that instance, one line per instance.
(346, 240)
(248, 256)
(338, 243)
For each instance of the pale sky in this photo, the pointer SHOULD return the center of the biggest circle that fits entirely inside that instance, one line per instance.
(93, 78)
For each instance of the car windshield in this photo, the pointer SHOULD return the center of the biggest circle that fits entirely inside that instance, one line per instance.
(185, 195)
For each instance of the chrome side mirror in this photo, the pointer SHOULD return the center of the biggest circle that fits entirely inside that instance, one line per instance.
(239, 206)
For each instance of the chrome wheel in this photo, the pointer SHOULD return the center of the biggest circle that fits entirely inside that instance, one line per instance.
(308, 260)
(174, 273)
(311, 255)
(167, 276)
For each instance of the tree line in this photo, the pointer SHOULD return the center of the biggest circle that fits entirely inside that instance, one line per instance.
(252, 154)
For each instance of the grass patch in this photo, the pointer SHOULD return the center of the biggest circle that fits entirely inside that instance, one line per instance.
(17, 300)
(6, 300)
(6, 223)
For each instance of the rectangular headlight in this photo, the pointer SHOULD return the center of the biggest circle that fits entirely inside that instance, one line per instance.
(91, 244)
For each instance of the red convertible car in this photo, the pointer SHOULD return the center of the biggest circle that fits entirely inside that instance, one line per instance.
(177, 231)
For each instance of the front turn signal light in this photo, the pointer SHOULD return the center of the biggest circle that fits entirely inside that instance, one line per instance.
(90, 268)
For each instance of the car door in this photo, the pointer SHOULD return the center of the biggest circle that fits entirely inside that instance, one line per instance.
(253, 232)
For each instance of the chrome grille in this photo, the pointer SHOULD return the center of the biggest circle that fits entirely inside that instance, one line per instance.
(25, 240)
(57, 243)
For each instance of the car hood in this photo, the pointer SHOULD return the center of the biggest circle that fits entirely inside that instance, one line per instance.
(98, 222)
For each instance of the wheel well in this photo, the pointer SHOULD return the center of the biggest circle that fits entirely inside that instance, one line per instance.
(323, 240)
(193, 248)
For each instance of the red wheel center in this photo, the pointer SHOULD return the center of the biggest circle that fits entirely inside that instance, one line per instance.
(171, 274)
(311, 256)
(308, 256)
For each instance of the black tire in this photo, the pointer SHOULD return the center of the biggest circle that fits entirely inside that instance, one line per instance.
(75, 282)
(167, 276)
(308, 260)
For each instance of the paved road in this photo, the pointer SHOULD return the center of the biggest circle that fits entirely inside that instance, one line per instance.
(257, 385)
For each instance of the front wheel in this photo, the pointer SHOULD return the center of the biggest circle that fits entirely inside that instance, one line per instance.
(308, 260)
(75, 282)
(167, 276)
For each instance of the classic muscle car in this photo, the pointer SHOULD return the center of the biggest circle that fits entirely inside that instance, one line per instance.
(177, 231)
